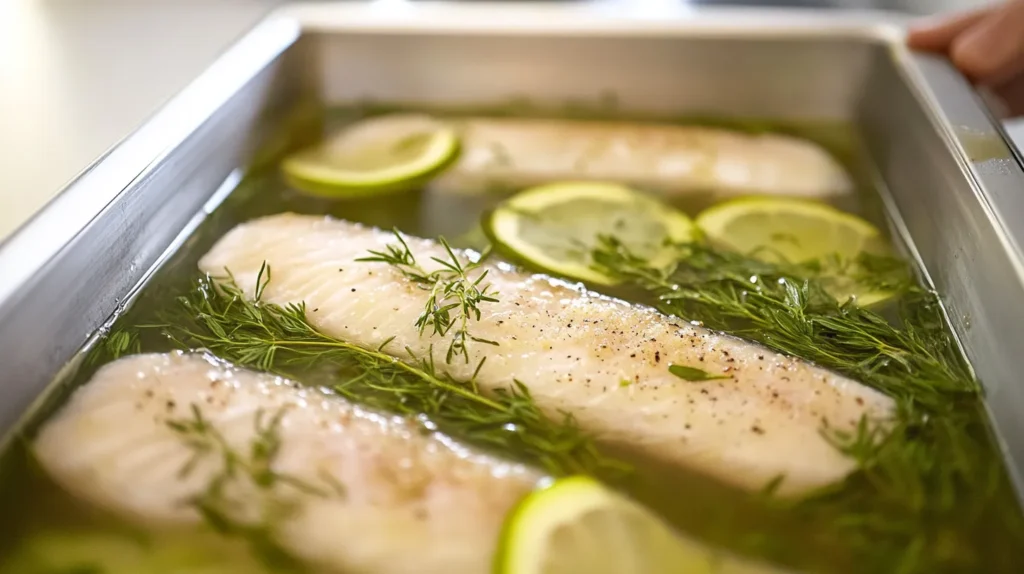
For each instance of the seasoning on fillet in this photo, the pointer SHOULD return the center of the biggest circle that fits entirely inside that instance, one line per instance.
(605, 361)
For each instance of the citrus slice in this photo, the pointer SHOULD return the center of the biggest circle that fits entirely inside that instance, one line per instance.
(797, 231)
(381, 154)
(555, 227)
(578, 525)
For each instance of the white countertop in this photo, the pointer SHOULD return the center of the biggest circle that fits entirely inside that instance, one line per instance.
(76, 76)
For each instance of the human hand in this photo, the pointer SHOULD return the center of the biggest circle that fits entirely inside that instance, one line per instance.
(986, 44)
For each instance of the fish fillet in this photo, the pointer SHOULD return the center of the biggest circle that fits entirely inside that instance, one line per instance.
(377, 495)
(674, 160)
(601, 359)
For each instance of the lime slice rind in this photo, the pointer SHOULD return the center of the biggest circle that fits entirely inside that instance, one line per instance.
(330, 168)
(729, 223)
(579, 525)
(796, 231)
(553, 227)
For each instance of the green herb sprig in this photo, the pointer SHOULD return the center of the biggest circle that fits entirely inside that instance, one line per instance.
(217, 316)
(455, 297)
(113, 346)
(244, 497)
(931, 494)
(693, 374)
(788, 308)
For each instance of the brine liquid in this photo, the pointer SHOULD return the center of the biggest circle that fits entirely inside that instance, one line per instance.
(701, 507)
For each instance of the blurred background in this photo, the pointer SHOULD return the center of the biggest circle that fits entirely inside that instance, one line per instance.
(76, 76)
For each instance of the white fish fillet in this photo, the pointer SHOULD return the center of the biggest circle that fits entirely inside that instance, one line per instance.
(406, 496)
(671, 159)
(601, 359)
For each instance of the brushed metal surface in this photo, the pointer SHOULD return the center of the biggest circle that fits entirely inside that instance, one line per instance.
(66, 272)
(952, 183)
(957, 185)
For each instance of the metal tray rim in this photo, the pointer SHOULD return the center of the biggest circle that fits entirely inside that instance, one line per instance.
(594, 19)
(100, 184)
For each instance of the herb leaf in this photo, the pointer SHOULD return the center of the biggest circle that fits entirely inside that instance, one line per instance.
(215, 315)
(244, 496)
(931, 494)
(112, 347)
(693, 374)
(455, 297)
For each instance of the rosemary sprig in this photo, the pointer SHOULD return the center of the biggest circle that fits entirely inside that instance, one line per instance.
(455, 297)
(217, 317)
(931, 494)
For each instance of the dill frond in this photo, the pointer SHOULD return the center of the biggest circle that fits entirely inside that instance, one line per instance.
(245, 496)
(454, 296)
(113, 346)
(216, 316)
(931, 493)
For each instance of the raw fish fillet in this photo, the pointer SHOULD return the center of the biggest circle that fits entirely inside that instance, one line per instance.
(673, 160)
(375, 495)
(603, 360)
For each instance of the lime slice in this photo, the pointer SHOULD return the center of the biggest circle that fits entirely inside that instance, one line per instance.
(796, 231)
(555, 227)
(382, 154)
(578, 525)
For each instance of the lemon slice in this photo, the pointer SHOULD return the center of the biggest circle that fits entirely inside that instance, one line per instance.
(578, 525)
(382, 154)
(555, 227)
(796, 231)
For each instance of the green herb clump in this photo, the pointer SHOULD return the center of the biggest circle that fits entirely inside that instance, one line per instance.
(454, 295)
(246, 497)
(931, 494)
(215, 315)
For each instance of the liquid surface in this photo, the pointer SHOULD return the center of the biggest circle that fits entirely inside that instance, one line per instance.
(708, 500)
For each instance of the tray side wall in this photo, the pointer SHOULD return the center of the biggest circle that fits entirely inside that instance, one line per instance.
(811, 78)
(77, 291)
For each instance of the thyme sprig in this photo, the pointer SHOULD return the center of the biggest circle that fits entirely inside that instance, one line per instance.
(931, 493)
(455, 296)
(217, 316)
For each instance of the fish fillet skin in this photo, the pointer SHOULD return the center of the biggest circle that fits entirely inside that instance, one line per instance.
(671, 159)
(378, 495)
(602, 359)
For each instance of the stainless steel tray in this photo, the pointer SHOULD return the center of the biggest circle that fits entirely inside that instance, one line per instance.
(955, 188)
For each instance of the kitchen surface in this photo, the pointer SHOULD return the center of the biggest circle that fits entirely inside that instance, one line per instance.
(79, 75)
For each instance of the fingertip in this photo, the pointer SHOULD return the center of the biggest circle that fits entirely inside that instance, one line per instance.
(938, 34)
(987, 53)
(926, 38)
(968, 55)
